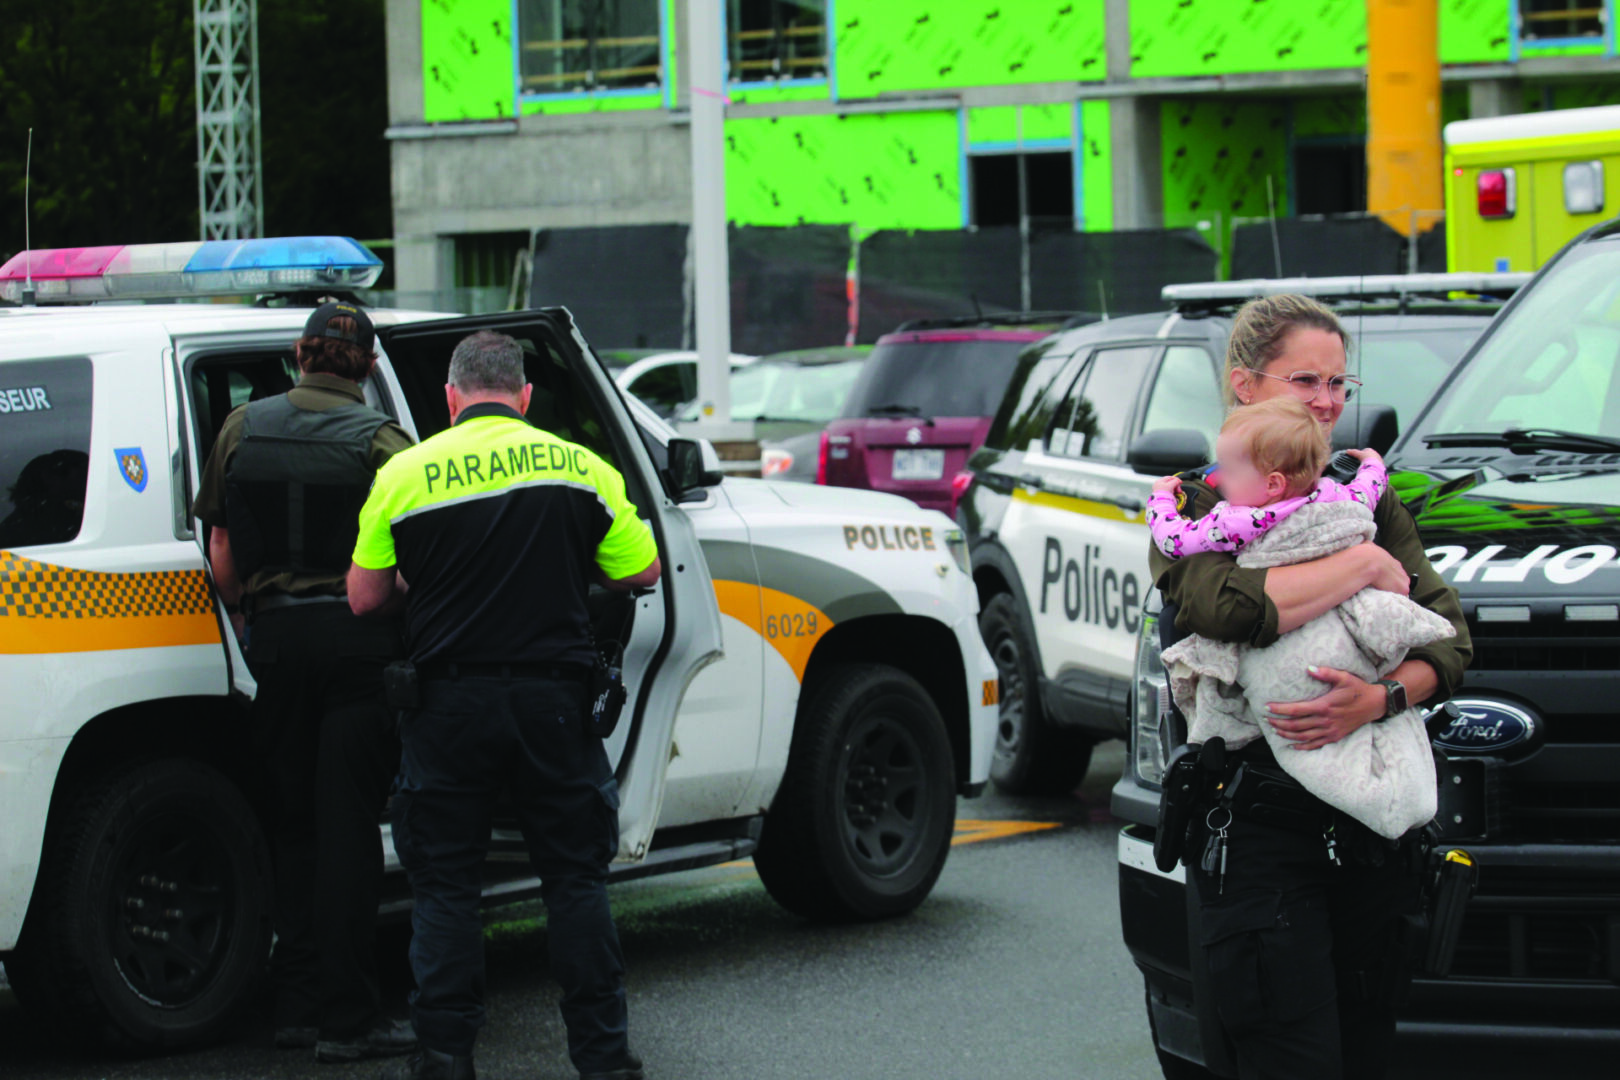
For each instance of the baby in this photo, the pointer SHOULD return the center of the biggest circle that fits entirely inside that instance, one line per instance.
(1271, 456)
(1279, 511)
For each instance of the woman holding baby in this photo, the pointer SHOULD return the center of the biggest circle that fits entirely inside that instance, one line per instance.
(1301, 916)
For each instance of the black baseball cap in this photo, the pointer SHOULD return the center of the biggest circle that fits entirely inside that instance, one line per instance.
(319, 324)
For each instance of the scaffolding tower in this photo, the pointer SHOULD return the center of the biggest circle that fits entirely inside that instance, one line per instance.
(230, 176)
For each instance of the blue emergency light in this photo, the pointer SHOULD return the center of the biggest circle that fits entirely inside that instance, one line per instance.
(192, 269)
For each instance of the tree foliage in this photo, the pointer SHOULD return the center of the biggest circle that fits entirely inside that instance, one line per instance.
(109, 89)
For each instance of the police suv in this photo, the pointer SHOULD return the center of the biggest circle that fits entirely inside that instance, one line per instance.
(1512, 471)
(807, 681)
(1054, 509)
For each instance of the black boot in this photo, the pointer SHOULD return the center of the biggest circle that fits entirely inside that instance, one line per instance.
(428, 1064)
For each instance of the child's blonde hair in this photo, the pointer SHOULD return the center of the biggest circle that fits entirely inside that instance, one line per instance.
(1282, 436)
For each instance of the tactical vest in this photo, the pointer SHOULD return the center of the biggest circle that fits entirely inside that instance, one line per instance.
(295, 485)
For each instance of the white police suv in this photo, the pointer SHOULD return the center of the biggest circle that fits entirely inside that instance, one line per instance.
(807, 682)
(1054, 507)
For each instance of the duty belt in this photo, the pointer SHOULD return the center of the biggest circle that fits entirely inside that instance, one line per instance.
(459, 670)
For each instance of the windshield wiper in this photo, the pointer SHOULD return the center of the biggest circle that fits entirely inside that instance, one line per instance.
(900, 410)
(1528, 439)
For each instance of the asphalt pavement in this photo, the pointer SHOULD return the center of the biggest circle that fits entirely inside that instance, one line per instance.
(1012, 968)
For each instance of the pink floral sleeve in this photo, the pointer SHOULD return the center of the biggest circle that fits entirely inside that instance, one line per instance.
(1231, 528)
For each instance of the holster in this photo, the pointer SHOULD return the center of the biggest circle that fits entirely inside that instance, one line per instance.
(402, 688)
(1452, 883)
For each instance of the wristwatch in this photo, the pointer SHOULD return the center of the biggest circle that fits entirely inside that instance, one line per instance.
(1394, 697)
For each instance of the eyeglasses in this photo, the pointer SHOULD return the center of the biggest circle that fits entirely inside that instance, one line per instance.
(1307, 384)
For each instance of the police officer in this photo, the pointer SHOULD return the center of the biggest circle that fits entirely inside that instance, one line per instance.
(282, 489)
(497, 529)
(1305, 918)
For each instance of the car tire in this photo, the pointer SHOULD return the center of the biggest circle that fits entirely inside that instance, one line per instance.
(1031, 756)
(150, 921)
(862, 824)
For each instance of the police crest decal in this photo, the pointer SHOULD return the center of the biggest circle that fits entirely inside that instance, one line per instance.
(132, 466)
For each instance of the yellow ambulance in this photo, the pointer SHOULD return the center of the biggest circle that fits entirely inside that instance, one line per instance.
(1518, 188)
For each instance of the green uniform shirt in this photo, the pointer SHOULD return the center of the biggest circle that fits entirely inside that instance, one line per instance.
(316, 392)
(1225, 602)
(495, 526)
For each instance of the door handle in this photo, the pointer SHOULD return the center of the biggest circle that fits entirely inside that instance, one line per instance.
(1127, 503)
(1031, 481)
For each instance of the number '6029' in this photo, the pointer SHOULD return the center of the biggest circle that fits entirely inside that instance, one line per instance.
(790, 625)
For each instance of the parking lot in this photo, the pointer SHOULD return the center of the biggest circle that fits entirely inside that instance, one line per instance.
(1013, 967)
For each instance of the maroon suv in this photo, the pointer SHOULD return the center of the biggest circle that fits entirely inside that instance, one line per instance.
(923, 403)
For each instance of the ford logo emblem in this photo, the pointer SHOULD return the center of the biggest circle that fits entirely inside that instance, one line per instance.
(1484, 726)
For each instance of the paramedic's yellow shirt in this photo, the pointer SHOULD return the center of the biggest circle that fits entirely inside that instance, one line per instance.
(495, 526)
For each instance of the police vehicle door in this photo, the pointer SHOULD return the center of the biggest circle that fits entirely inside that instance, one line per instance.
(574, 399)
(1076, 531)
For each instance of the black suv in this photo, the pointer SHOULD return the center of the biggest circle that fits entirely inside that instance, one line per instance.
(1513, 473)
(1054, 509)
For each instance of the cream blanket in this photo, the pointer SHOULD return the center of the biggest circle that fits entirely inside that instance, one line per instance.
(1381, 774)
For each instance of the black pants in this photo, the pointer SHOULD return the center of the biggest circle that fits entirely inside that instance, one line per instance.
(472, 739)
(1305, 956)
(327, 743)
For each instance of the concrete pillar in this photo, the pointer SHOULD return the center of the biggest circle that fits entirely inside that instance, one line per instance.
(403, 29)
(1137, 167)
(424, 268)
(1495, 97)
(1137, 164)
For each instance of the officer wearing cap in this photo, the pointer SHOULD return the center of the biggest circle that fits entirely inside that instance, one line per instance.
(281, 491)
(498, 529)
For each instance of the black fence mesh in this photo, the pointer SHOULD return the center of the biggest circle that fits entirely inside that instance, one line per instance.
(788, 287)
(624, 284)
(1117, 272)
(1332, 246)
(921, 275)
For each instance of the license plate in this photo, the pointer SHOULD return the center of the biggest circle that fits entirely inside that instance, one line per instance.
(919, 464)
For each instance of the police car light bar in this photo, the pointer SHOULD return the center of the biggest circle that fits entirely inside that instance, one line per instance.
(193, 269)
(1371, 285)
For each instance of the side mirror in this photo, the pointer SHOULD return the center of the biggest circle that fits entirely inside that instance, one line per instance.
(1168, 450)
(693, 464)
(1371, 426)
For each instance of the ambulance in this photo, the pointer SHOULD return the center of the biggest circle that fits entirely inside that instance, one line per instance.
(796, 693)
(1518, 188)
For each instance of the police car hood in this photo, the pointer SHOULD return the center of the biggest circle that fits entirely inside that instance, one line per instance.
(1521, 527)
(870, 505)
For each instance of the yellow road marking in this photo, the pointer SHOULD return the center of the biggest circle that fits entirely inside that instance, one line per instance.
(968, 831)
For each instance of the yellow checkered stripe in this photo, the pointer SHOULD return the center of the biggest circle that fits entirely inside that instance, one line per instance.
(46, 608)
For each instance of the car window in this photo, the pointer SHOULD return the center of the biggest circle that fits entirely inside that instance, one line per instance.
(222, 382)
(810, 392)
(965, 377)
(1552, 361)
(1186, 394)
(1402, 368)
(1094, 416)
(664, 387)
(45, 450)
(1037, 385)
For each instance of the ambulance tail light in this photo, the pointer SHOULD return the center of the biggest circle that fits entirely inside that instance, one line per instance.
(190, 270)
(1496, 194)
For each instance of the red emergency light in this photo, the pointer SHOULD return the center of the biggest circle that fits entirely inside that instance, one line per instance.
(1495, 193)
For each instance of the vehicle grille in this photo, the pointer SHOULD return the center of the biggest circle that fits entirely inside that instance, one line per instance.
(1534, 945)
(1544, 645)
(1564, 812)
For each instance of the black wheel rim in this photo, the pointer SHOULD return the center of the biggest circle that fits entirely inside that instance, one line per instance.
(1009, 666)
(172, 898)
(885, 792)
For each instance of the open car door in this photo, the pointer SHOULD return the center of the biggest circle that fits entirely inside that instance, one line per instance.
(669, 633)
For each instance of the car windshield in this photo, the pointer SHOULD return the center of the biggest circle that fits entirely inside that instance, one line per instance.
(1401, 368)
(1551, 363)
(766, 391)
(934, 378)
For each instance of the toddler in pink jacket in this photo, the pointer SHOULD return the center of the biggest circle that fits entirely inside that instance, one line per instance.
(1266, 470)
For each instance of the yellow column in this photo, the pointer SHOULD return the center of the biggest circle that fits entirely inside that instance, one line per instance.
(1404, 171)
